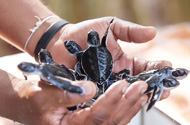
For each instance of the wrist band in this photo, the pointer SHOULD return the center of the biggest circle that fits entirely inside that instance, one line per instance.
(38, 24)
(47, 36)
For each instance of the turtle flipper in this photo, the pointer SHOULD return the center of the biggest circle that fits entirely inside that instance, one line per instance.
(80, 76)
(123, 73)
(169, 83)
(72, 47)
(152, 82)
(44, 56)
(65, 85)
(157, 92)
(106, 33)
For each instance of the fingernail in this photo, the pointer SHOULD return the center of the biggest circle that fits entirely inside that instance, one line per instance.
(143, 90)
(88, 89)
(165, 95)
(143, 100)
(143, 103)
(124, 89)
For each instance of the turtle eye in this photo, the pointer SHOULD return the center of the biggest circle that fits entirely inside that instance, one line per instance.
(180, 73)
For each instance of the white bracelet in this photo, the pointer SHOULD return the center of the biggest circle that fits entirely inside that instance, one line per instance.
(38, 24)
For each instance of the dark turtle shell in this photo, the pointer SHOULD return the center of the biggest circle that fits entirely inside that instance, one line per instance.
(97, 63)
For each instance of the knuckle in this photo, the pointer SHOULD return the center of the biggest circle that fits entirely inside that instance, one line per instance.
(127, 121)
(131, 101)
(99, 119)
(138, 87)
(67, 98)
(114, 122)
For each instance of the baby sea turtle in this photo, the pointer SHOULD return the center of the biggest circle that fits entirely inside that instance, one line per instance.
(159, 79)
(96, 61)
(52, 73)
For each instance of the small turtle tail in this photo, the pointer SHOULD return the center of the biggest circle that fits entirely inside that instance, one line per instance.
(106, 33)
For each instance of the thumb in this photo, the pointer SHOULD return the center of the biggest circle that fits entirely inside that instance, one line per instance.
(89, 91)
(130, 32)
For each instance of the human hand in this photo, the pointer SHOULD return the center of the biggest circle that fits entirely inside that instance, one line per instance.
(123, 103)
(42, 103)
(120, 29)
(39, 103)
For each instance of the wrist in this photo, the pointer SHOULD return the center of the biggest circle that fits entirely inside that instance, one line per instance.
(38, 34)
(48, 35)
(58, 36)
(57, 49)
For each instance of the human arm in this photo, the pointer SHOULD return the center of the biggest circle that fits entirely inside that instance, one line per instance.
(17, 17)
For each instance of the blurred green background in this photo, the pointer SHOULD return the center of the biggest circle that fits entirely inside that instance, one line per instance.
(144, 12)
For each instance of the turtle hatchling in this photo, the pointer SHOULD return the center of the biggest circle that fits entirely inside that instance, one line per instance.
(51, 72)
(96, 61)
(159, 79)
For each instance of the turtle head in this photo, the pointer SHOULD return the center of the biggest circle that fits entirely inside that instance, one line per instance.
(179, 73)
(72, 47)
(93, 38)
(29, 68)
(44, 56)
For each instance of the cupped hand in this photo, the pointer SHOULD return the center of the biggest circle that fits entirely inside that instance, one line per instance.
(39, 103)
(120, 29)
(44, 104)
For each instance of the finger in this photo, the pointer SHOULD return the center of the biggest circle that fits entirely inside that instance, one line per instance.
(105, 104)
(136, 108)
(157, 64)
(141, 65)
(71, 99)
(165, 94)
(131, 32)
(89, 91)
(127, 102)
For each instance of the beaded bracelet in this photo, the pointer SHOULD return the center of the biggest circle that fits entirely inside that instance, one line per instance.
(38, 24)
(47, 36)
